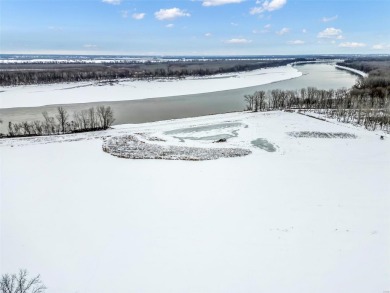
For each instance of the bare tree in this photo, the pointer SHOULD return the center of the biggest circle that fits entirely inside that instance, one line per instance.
(106, 116)
(17, 128)
(84, 119)
(260, 100)
(20, 283)
(38, 127)
(26, 128)
(249, 99)
(49, 124)
(62, 118)
(11, 129)
(355, 106)
(92, 118)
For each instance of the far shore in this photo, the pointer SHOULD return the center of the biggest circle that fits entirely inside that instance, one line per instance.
(86, 92)
(358, 72)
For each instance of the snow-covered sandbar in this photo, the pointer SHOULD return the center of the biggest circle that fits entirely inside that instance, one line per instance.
(85, 92)
(358, 72)
(306, 211)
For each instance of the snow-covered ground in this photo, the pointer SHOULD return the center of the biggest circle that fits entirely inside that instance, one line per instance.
(84, 92)
(298, 215)
(359, 72)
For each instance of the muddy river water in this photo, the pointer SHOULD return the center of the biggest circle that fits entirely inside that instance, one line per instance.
(322, 76)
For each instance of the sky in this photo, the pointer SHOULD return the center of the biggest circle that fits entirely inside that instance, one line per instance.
(194, 27)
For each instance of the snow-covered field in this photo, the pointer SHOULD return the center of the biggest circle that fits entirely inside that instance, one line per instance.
(84, 92)
(298, 214)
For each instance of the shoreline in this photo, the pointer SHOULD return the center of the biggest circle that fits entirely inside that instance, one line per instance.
(357, 72)
(178, 106)
(88, 92)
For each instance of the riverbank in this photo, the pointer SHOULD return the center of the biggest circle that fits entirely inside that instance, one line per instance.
(86, 92)
(322, 76)
(355, 71)
(249, 220)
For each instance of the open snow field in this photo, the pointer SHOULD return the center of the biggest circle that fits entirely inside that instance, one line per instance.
(306, 211)
(85, 92)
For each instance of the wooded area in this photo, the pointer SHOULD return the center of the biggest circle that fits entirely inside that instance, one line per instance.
(41, 73)
(378, 66)
(98, 118)
(367, 103)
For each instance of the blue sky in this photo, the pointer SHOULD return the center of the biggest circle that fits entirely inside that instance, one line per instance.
(195, 27)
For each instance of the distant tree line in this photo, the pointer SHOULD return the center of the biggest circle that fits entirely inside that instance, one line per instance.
(367, 103)
(48, 74)
(378, 66)
(94, 118)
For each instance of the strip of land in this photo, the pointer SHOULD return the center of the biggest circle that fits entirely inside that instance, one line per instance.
(131, 89)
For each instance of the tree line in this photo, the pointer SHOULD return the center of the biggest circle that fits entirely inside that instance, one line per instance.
(366, 104)
(94, 118)
(378, 66)
(82, 72)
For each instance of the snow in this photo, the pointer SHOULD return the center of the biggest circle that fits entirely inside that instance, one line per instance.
(359, 72)
(85, 92)
(311, 216)
(75, 60)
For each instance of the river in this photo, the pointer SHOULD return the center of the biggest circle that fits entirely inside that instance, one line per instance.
(322, 76)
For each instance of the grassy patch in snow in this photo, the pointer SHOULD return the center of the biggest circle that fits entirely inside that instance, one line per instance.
(130, 147)
(318, 134)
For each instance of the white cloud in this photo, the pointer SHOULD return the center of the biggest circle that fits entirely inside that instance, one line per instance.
(380, 46)
(283, 31)
(171, 25)
(330, 33)
(296, 42)
(273, 5)
(304, 31)
(113, 2)
(207, 34)
(90, 46)
(238, 41)
(219, 2)
(234, 24)
(138, 16)
(268, 6)
(328, 19)
(169, 14)
(352, 45)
